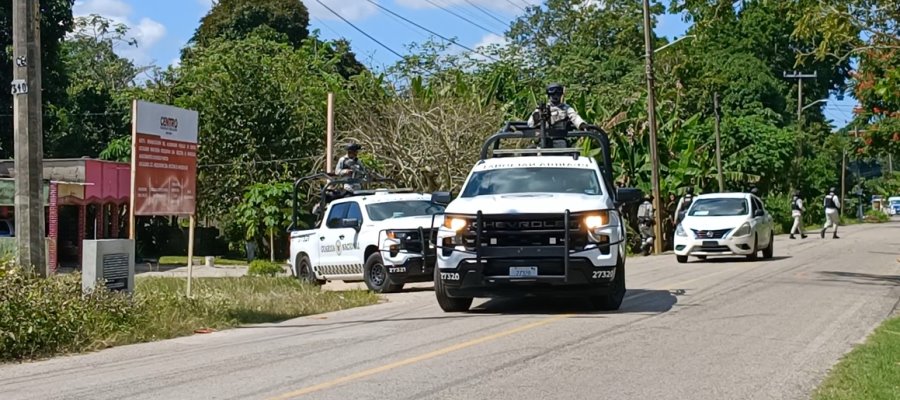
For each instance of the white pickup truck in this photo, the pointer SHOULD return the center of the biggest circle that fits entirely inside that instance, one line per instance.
(381, 237)
(539, 221)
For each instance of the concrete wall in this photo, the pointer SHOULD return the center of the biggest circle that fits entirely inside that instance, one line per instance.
(8, 246)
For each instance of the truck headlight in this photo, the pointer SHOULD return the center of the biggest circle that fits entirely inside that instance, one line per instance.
(596, 220)
(455, 224)
(744, 230)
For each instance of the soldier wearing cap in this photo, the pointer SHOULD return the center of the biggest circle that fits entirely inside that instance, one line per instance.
(559, 111)
(349, 166)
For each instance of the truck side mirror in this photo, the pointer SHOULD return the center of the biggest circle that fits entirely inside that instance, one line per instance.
(351, 223)
(442, 198)
(628, 195)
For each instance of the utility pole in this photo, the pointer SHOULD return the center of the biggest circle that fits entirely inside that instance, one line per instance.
(27, 125)
(718, 143)
(651, 113)
(799, 77)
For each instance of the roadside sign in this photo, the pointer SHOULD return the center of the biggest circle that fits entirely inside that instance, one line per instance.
(164, 159)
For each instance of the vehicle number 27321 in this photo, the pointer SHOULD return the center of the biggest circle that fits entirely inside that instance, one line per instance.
(603, 274)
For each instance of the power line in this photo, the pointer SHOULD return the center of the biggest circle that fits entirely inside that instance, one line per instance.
(327, 26)
(487, 13)
(429, 30)
(360, 30)
(516, 5)
(462, 17)
(468, 11)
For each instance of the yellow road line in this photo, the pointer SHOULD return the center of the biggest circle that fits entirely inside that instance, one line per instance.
(422, 357)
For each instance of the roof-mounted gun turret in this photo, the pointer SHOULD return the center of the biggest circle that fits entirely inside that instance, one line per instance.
(334, 189)
(546, 135)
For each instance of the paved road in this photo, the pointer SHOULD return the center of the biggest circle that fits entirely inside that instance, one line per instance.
(717, 330)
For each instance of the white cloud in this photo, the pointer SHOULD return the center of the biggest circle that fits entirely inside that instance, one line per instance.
(510, 7)
(491, 39)
(147, 32)
(354, 10)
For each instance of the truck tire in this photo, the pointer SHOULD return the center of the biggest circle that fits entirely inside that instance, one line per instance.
(305, 272)
(449, 304)
(612, 300)
(376, 277)
(681, 259)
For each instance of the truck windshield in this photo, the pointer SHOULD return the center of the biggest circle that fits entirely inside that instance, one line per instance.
(719, 207)
(533, 180)
(400, 209)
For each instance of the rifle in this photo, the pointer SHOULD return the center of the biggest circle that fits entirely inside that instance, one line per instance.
(544, 111)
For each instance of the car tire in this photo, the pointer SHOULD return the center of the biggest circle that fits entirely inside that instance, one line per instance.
(612, 300)
(447, 303)
(769, 251)
(376, 277)
(681, 259)
(305, 273)
(755, 254)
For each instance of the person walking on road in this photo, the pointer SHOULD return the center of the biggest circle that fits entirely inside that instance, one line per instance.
(797, 211)
(645, 224)
(832, 213)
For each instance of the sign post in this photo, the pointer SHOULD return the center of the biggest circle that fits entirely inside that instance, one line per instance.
(164, 166)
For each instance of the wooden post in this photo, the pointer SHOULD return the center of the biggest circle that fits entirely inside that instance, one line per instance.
(718, 144)
(190, 254)
(131, 218)
(329, 151)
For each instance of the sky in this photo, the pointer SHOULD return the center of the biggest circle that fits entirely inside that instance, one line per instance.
(163, 27)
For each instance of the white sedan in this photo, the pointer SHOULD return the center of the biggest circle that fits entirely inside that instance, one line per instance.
(725, 224)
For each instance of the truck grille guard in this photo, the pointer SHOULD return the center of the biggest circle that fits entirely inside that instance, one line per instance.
(567, 252)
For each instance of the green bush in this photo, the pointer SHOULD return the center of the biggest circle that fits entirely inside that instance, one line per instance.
(875, 216)
(40, 317)
(264, 268)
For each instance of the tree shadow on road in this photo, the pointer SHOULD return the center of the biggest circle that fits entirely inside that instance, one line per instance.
(636, 301)
(860, 278)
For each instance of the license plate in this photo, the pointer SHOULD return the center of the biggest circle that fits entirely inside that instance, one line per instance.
(710, 243)
(523, 271)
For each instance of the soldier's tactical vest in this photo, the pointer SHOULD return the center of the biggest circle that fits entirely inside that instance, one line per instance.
(794, 205)
(829, 201)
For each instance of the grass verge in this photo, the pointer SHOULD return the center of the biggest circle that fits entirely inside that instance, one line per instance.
(870, 372)
(46, 317)
(182, 260)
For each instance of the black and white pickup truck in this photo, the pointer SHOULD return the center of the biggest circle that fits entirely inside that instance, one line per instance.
(534, 221)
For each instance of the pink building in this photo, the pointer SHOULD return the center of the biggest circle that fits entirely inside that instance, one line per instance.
(85, 199)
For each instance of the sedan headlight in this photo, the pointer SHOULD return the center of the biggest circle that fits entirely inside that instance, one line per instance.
(679, 231)
(744, 230)
(455, 224)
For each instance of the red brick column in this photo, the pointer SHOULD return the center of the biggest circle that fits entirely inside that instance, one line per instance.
(82, 225)
(53, 229)
(101, 221)
(114, 220)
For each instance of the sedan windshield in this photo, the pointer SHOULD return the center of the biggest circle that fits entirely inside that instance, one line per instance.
(533, 180)
(400, 209)
(719, 207)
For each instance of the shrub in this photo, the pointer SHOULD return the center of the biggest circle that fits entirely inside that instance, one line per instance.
(40, 317)
(264, 268)
(875, 216)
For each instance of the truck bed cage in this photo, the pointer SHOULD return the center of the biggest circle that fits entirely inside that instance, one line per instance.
(521, 130)
(336, 181)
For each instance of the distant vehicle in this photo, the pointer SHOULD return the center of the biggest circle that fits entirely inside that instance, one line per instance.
(894, 205)
(725, 224)
(537, 221)
(381, 237)
(7, 228)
